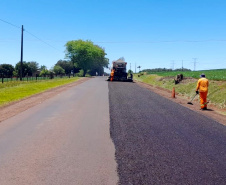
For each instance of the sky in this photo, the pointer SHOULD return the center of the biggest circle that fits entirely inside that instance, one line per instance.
(147, 33)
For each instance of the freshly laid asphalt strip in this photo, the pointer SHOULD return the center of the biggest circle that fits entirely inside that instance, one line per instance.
(160, 142)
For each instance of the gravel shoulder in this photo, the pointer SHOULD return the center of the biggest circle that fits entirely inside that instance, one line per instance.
(17, 107)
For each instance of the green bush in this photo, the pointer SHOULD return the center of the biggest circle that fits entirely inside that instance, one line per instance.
(80, 73)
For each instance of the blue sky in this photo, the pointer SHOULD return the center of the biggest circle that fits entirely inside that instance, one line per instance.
(149, 33)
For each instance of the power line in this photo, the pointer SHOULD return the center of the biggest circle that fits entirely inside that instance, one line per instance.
(10, 23)
(194, 63)
(28, 33)
(41, 40)
(124, 42)
(139, 68)
(182, 65)
(163, 41)
(172, 63)
(135, 67)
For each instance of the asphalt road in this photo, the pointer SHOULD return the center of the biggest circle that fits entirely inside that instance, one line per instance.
(160, 142)
(63, 141)
(106, 133)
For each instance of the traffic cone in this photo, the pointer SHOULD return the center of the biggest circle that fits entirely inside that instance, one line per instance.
(173, 92)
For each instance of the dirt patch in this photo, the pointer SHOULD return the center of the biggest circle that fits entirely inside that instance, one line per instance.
(212, 112)
(15, 108)
(166, 78)
(184, 81)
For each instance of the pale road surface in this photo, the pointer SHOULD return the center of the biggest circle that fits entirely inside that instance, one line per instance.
(64, 140)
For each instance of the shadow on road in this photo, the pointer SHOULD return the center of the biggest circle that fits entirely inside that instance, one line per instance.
(209, 110)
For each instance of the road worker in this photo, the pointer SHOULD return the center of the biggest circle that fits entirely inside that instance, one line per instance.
(202, 90)
(112, 74)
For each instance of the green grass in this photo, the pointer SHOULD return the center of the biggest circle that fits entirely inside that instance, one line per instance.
(219, 75)
(16, 90)
(216, 94)
(29, 78)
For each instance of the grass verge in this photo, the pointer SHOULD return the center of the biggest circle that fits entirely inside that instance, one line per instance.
(216, 94)
(217, 74)
(16, 90)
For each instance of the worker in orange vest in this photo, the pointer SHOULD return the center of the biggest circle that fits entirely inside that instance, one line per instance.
(202, 90)
(112, 74)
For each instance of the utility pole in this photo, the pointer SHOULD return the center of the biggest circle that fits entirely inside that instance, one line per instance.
(172, 62)
(21, 56)
(194, 62)
(135, 67)
(182, 65)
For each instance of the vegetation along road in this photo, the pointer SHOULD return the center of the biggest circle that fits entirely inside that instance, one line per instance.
(101, 132)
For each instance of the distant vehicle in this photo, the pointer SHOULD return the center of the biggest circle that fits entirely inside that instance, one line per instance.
(118, 72)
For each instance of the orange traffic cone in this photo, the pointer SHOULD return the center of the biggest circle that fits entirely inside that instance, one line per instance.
(173, 92)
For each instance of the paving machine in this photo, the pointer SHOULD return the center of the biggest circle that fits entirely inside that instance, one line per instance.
(118, 72)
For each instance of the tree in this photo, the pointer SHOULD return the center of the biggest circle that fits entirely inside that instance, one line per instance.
(164, 69)
(86, 55)
(42, 67)
(58, 70)
(66, 65)
(130, 71)
(44, 72)
(26, 70)
(33, 66)
(182, 69)
(98, 67)
(6, 70)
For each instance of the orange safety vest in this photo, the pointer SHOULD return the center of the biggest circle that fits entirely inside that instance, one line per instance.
(112, 75)
(202, 85)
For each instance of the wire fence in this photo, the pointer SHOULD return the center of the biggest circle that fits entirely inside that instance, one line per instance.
(30, 78)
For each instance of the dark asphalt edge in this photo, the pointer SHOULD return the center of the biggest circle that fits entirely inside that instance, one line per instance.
(112, 127)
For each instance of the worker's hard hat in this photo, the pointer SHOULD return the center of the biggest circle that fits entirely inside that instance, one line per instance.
(202, 75)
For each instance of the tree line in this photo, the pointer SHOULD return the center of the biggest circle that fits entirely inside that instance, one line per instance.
(163, 70)
(32, 68)
(82, 57)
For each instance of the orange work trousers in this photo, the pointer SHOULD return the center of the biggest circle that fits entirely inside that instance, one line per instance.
(112, 76)
(203, 99)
